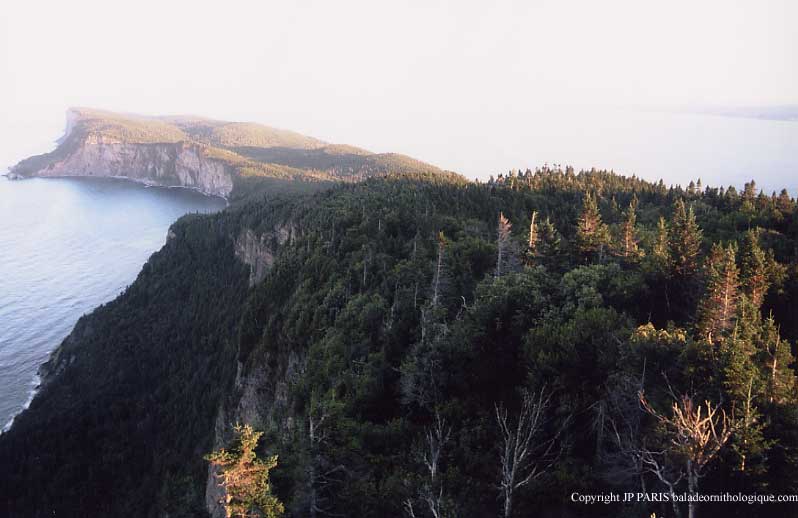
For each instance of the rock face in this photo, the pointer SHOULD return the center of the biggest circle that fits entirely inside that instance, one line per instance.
(168, 164)
(262, 400)
(261, 388)
(259, 251)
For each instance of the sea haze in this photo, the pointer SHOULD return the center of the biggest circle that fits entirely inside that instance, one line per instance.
(67, 246)
(651, 143)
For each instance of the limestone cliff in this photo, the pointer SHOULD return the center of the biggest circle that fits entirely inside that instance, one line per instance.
(169, 164)
(202, 154)
(258, 251)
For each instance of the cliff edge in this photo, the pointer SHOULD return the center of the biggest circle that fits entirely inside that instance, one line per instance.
(202, 154)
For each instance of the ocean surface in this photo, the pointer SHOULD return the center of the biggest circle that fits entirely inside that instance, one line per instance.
(67, 246)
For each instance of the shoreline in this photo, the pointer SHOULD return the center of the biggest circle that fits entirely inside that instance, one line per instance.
(36, 383)
(16, 177)
(39, 378)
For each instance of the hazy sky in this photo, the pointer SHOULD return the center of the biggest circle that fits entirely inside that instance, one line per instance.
(384, 75)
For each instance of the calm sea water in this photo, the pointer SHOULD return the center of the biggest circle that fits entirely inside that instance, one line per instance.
(67, 246)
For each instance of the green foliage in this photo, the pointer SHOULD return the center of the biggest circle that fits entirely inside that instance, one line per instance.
(592, 235)
(382, 318)
(244, 478)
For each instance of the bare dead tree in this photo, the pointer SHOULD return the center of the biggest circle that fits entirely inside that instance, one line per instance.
(695, 435)
(439, 279)
(656, 463)
(409, 509)
(320, 473)
(533, 235)
(625, 433)
(437, 436)
(431, 491)
(523, 456)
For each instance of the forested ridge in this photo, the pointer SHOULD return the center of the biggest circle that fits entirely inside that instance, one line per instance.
(427, 346)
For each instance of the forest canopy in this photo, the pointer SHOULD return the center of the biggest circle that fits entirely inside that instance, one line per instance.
(426, 346)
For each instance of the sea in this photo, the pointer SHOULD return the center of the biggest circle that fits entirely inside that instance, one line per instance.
(68, 245)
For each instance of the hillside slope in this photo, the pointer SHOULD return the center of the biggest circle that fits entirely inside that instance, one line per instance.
(380, 311)
(207, 155)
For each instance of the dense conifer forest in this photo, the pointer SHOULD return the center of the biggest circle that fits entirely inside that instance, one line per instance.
(426, 346)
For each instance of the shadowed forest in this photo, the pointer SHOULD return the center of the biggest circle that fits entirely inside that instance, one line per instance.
(424, 346)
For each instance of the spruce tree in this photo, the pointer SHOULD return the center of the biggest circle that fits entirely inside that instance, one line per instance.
(718, 307)
(548, 247)
(506, 258)
(592, 235)
(754, 272)
(660, 252)
(684, 242)
(775, 359)
(684, 245)
(245, 478)
(628, 247)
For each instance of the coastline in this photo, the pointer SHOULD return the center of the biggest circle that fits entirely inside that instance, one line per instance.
(44, 373)
(36, 384)
(11, 176)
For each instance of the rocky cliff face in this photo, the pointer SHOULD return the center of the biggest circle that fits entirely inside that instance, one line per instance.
(261, 399)
(167, 164)
(261, 395)
(258, 251)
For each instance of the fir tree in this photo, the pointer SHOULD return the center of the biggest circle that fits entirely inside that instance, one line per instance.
(684, 245)
(754, 274)
(775, 359)
(592, 234)
(718, 308)
(628, 247)
(506, 260)
(548, 245)
(684, 242)
(784, 202)
(245, 478)
(660, 251)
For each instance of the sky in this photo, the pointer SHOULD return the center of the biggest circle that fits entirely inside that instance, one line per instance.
(428, 78)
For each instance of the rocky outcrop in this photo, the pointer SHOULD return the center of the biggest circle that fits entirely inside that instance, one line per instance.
(262, 385)
(259, 251)
(262, 400)
(164, 164)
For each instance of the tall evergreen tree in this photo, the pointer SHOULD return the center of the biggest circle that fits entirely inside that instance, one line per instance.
(660, 252)
(506, 259)
(628, 247)
(245, 478)
(592, 235)
(548, 246)
(684, 246)
(684, 242)
(718, 307)
(775, 359)
(754, 272)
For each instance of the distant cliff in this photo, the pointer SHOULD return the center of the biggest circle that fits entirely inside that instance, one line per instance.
(180, 165)
(201, 154)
